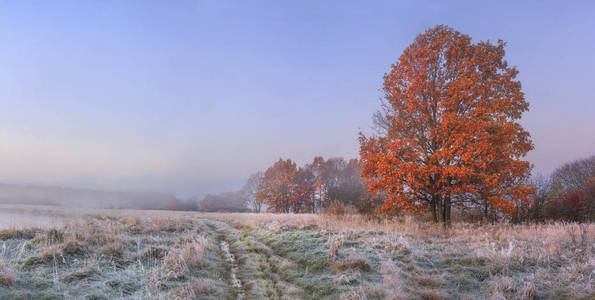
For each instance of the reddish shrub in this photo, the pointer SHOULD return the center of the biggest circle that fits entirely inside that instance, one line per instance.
(570, 206)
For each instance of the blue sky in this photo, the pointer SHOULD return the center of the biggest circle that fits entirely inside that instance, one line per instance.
(193, 96)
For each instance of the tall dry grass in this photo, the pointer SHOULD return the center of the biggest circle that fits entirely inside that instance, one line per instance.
(528, 260)
(193, 253)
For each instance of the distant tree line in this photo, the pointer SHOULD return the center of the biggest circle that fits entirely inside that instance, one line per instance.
(224, 202)
(335, 185)
(323, 185)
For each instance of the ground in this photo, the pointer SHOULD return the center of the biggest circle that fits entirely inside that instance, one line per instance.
(107, 254)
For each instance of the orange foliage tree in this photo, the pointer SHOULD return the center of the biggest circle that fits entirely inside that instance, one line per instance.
(277, 186)
(450, 133)
(285, 188)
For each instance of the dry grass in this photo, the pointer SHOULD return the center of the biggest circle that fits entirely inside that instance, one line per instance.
(162, 256)
(326, 256)
(387, 267)
(192, 290)
(391, 281)
(7, 276)
(333, 250)
(429, 294)
(523, 261)
(16, 233)
(179, 264)
(354, 262)
(193, 252)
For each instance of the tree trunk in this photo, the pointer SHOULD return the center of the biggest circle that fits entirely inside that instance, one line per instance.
(442, 208)
(485, 212)
(433, 208)
(445, 211)
(447, 208)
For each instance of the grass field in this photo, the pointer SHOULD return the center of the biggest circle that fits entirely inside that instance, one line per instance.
(105, 254)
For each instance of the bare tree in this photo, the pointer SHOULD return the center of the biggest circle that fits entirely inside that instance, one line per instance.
(251, 188)
(536, 210)
(574, 175)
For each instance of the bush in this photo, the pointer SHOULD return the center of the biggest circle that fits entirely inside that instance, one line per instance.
(571, 206)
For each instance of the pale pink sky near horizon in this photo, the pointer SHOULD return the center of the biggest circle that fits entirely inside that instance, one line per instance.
(193, 96)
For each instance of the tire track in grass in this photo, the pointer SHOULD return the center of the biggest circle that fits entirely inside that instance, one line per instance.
(310, 278)
(258, 267)
(350, 275)
(230, 258)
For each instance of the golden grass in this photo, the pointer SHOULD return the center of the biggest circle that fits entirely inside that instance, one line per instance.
(192, 290)
(193, 252)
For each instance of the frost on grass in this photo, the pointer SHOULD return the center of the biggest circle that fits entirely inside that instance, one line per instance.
(337, 255)
(166, 255)
(114, 257)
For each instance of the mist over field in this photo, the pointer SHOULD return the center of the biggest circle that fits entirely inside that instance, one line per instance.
(28, 194)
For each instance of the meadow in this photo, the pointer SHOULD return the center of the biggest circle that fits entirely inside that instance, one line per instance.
(56, 253)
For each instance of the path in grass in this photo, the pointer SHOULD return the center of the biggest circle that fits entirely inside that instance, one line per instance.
(255, 266)
(230, 258)
(293, 263)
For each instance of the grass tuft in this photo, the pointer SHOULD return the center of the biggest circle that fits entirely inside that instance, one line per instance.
(84, 273)
(193, 252)
(7, 276)
(14, 234)
(192, 290)
(355, 261)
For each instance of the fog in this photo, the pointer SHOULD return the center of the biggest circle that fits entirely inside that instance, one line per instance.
(189, 99)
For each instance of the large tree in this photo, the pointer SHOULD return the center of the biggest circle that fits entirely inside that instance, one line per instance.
(449, 132)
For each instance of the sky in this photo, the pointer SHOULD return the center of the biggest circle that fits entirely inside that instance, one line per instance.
(191, 97)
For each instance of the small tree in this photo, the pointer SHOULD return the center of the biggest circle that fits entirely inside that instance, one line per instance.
(277, 186)
(251, 188)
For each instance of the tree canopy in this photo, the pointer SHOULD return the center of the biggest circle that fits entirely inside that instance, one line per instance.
(449, 131)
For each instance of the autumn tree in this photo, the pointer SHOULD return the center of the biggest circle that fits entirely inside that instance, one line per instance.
(285, 188)
(309, 189)
(302, 194)
(449, 131)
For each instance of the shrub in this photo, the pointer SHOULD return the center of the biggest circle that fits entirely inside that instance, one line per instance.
(85, 273)
(570, 206)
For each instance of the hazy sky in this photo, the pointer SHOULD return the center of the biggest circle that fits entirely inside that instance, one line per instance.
(193, 96)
